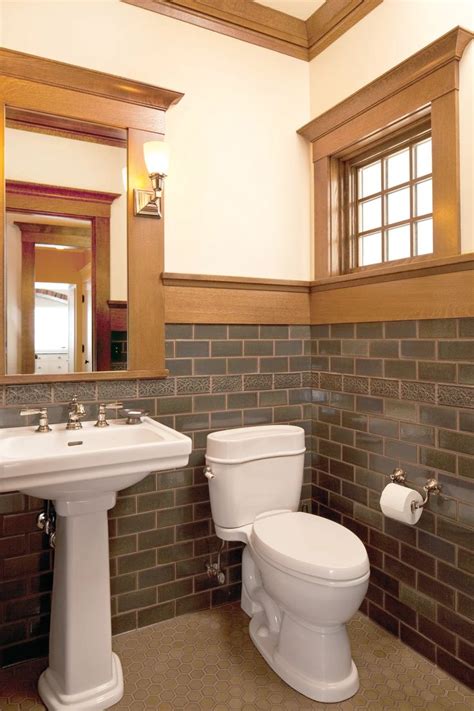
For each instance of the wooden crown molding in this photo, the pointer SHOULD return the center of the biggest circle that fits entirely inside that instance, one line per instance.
(27, 189)
(41, 228)
(332, 20)
(19, 65)
(79, 238)
(448, 48)
(261, 25)
(24, 120)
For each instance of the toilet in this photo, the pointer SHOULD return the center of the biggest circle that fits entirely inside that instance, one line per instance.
(303, 576)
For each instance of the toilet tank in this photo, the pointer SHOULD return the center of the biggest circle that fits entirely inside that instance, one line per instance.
(255, 469)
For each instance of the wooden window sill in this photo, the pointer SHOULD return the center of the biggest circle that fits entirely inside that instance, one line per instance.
(459, 262)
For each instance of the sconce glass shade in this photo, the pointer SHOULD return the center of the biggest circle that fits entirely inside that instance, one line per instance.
(157, 157)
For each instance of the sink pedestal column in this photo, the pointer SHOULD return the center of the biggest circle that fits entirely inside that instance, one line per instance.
(83, 674)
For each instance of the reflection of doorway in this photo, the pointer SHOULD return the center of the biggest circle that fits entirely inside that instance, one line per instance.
(56, 252)
(59, 204)
(54, 320)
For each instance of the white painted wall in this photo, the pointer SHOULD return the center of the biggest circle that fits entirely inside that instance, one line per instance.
(238, 194)
(52, 160)
(391, 33)
(237, 198)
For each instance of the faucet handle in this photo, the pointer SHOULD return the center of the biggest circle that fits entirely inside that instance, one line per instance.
(43, 425)
(112, 405)
(103, 407)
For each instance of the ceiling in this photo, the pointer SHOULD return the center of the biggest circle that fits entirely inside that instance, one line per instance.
(298, 8)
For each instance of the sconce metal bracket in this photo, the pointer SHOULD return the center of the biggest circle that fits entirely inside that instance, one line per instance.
(146, 203)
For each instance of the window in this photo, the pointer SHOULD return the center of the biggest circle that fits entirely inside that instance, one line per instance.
(378, 202)
(390, 205)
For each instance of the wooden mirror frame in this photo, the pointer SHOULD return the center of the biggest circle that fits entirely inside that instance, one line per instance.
(104, 108)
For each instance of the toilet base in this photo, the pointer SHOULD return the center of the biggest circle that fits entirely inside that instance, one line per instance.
(269, 644)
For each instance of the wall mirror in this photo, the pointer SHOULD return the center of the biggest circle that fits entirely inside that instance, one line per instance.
(65, 249)
(81, 270)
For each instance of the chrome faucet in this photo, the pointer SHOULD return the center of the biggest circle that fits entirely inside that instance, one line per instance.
(76, 411)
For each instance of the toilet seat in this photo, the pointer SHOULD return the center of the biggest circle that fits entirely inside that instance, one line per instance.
(310, 545)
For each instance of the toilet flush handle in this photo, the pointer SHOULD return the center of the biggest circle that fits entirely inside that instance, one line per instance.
(208, 472)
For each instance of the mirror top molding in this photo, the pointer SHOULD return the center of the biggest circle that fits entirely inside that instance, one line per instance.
(30, 67)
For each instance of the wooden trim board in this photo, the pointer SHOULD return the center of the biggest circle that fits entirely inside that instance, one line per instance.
(86, 81)
(436, 55)
(191, 304)
(207, 299)
(425, 267)
(201, 298)
(231, 282)
(264, 26)
(426, 297)
(86, 377)
(24, 120)
(332, 20)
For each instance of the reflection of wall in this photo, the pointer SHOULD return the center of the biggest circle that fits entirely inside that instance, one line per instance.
(13, 294)
(60, 161)
(385, 37)
(237, 197)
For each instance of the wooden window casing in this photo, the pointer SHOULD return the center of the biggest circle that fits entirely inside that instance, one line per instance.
(425, 85)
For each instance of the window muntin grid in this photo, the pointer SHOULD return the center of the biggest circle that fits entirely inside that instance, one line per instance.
(393, 205)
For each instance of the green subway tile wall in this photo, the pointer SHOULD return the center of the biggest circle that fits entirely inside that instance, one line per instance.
(416, 416)
(161, 533)
(371, 396)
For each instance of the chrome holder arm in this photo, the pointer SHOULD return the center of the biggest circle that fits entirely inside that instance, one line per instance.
(431, 488)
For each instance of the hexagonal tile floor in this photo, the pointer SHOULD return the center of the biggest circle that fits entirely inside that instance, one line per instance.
(206, 661)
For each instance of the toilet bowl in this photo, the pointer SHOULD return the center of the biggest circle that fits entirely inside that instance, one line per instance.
(303, 576)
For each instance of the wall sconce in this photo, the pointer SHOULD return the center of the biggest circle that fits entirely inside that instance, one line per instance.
(148, 202)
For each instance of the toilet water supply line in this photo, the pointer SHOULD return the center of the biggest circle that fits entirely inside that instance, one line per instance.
(214, 570)
(46, 522)
(253, 584)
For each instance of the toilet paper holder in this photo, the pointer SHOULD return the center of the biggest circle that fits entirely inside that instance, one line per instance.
(432, 487)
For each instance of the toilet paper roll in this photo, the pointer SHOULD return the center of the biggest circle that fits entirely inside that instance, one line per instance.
(396, 501)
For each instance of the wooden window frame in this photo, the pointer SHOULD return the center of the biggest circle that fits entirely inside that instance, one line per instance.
(425, 85)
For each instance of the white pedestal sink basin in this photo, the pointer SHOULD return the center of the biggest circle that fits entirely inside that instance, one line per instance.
(81, 471)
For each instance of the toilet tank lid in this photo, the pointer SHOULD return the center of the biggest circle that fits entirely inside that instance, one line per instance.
(248, 443)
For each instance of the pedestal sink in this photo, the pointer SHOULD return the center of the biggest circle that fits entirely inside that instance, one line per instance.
(81, 471)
